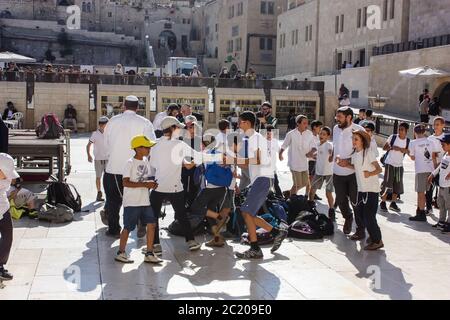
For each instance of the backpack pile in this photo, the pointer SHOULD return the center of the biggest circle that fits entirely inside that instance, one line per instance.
(57, 214)
(311, 225)
(65, 194)
(50, 127)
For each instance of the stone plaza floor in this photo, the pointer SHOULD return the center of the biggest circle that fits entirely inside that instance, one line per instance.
(76, 260)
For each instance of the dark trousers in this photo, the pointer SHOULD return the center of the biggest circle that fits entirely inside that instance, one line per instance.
(6, 232)
(367, 209)
(178, 204)
(346, 189)
(113, 185)
(429, 194)
(278, 191)
(208, 199)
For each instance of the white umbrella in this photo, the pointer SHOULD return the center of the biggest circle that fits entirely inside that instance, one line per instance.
(424, 72)
(13, 57)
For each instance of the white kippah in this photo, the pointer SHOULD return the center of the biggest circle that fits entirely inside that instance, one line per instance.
(132, 99)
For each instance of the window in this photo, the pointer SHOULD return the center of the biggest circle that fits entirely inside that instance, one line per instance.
(365, 17)
(271, 8)
(392, 9)
(230, 46)
(355, 94)
(262, 43)
(83, 7)
(238, 44)
(293, 37)
(385, 10)
(306, 33)
(342, 23)
(358, 18)
(231, 12)
(296, 36)
(88, 7)
(263, 7)
(310, 33)
(269, 44)
(240, 10)
(217, 27)
(109, 14)
(235, 31)
(337, 25)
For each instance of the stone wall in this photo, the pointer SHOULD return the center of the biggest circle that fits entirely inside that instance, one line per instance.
(429, 18)
(14, 92)
(403, 93)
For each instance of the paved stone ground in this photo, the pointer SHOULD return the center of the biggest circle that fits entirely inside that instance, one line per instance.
(46, 259)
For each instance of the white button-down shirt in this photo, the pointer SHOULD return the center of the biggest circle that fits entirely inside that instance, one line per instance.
(119, 132)
(299, 144)
(343, 147)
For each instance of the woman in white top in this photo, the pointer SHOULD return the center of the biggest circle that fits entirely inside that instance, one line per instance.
(367, 169)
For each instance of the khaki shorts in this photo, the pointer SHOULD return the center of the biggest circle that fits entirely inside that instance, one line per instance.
(422, 182)
(100, 167)
(300, 179)
(23, 197)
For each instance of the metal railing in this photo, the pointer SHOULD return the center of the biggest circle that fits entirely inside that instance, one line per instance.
(152, 81)
(412, 45)
(388, 126)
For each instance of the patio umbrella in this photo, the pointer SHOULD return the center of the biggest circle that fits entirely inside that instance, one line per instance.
(424, 72)
(14, 57)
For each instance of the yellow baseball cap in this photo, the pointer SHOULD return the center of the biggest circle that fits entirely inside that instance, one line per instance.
(141, 141)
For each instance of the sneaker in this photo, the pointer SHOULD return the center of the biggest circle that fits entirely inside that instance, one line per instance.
(439, 225)
(348, 226)
(150, 257)
(113, 234)
(383, 207)
(394, 207)
(358, 235)
(5, 275)
(279, 240)
(216, 242)
(123, 257)
(194, 245)
(429, 211)
(250, 254)
(104, 217)
(216, 229)
(374, 246)
(99, 197)
(157, 250)
(421, 216)
(332, 214)
(446, 228)
(142, 231)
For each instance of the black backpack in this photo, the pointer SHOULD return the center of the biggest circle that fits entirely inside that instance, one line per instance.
(50, 127)
(317, 221)
(199, 225)
(296, 205)
(63, 193)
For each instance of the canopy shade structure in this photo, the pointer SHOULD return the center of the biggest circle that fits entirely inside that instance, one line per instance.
(425, 71)
(14, 57)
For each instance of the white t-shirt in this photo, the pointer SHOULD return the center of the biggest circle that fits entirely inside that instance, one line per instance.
(422, 149)
(343, 147)
(323, 165)
(443, 170)
(265, 168)
(119, 132)
(273, 148)
(100, 151)
(363, 162)
(166, 161)
(316, 145)
(4, 202)
(299, 145)
(438, 146)
(395, 158)
(374, 147)
(137, 171)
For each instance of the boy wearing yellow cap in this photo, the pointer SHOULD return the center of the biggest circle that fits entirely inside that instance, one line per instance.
(136, 199)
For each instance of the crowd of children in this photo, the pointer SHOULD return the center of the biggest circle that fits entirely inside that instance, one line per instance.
(342, 160)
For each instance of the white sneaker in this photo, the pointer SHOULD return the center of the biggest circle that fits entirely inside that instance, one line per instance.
(150, 257)
(123, 257)
(194, 245)
(157, 250)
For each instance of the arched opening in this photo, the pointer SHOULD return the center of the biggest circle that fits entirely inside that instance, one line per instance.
(6, 14)
(443, 93)
(168, 39)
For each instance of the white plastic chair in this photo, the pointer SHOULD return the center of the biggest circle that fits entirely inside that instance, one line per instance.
(18, 118)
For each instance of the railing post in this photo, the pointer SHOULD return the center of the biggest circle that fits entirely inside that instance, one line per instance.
(395, 127)
(377, 125)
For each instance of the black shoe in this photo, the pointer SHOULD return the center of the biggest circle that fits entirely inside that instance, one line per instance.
(113, 234)
(250, 254)
(394, 207)
(332, 214)
(383, 207)
(316, 197)
(99, 197)
(440, 225)
(282, 234)
(5, 275)
(446, 229)
(421, 216)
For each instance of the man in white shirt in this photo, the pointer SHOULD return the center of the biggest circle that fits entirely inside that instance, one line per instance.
(302, 145)
(261, 176)
(344, 179)
(438, 127)
(100, 154)
(172, 111)
(118, 134)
